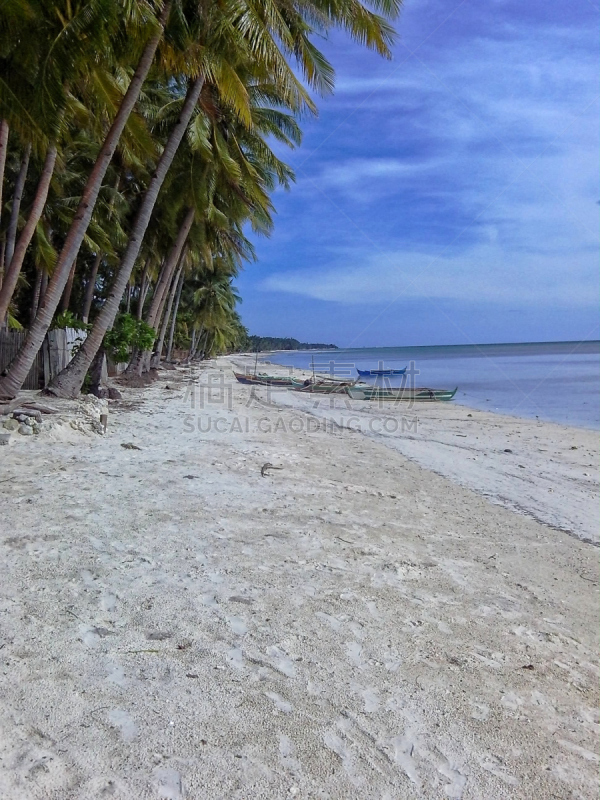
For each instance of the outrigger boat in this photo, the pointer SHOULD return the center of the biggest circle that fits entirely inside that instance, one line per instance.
(366, 373)
(322, 386)
(266, 380)
(406, 394)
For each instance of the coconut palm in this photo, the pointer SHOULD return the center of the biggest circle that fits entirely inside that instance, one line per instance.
(233, 58)
(22, 363)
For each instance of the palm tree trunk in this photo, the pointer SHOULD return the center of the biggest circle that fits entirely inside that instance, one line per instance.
(66, 295)
(89, 289)
(195, 346)
(174, 318)
(201, 344)
(20, 366)
(13, 223)
(138, 357)
(43, 289)
(167, 316)
(91, 284)
(15, 263)
(2, 251)
(144, 285)
(128, 309)
(96, 373)
(140, 361)
(69, 381)
(3, 150)
(171, 265)
(192, 346)
(35, 300)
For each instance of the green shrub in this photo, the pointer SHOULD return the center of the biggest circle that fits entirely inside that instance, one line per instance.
(128, 332)
(66, 319)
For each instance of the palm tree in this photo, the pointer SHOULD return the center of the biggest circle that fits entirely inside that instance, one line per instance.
(14, 256)
(240, 52)
(69, 381)
(20, 367)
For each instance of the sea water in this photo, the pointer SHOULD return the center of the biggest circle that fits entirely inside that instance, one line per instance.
(555, 381)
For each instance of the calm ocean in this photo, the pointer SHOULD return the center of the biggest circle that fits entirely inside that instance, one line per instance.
(555, 381)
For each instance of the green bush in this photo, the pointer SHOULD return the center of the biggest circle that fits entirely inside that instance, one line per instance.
(128, 332)
(66, 319)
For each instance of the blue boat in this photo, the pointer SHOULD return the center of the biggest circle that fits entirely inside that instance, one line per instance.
(365, 373)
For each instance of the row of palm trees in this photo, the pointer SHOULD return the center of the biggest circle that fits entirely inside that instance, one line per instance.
(137, 149)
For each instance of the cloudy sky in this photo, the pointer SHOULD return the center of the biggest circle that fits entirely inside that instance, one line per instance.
(449, 195)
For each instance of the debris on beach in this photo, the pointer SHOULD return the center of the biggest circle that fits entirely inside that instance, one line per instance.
(266, 467)
(23, 416)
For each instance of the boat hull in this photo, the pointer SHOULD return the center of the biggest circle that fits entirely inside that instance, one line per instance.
(374, 373)
(322, 388)
(406, 395)
(264, 380)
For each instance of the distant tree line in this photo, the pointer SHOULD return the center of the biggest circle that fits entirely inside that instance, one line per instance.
(264, 343)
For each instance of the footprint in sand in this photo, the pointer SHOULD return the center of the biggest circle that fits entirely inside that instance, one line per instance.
(353, 651)
(235, 658)
(237, 625)
(282, 663)
(281, 704)
(168, 783)
(108, 602)
(371, 700)
(124, 722)
(116, 675)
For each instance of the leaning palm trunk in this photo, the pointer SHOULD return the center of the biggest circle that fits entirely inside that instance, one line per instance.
(202, 348)
(13, 224)
(144, 286)
(170, 267)
(35, 300)
(69, 381)
(174, 318)
(3, 149)
(91, 284)
(192, 346)
(66, 295)
(13, 269)
(89, 289)
(21, 365)
(140, 360)
(166, 317)
(43, 289)
(202, 336)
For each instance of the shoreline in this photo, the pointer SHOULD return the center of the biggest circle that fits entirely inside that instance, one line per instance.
(252, 609)
(474, 398)
(468, 445)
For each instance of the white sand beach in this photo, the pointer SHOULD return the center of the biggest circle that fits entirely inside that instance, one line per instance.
(386, 613)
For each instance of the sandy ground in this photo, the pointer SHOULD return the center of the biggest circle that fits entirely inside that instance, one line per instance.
(352, 625)
(538, 468)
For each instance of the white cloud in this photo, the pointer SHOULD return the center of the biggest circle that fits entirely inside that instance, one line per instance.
(506, 137)
(484, 274)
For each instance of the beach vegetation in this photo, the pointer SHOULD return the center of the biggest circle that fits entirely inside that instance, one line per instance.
(138, 149)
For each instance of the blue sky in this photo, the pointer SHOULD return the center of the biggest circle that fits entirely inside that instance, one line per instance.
(449, 195)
